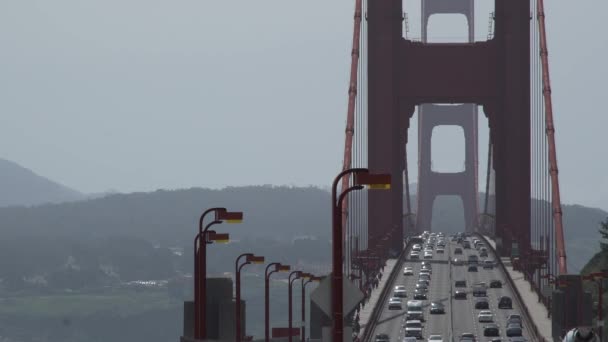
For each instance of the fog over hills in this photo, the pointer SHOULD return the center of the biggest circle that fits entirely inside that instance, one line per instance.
(22, 187)
(169, 217)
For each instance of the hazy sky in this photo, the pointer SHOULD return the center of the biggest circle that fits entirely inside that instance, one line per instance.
(136, 95)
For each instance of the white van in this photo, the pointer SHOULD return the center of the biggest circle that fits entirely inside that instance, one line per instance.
(414, 310)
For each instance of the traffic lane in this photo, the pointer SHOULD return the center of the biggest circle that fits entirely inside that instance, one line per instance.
(494, 295)
(500, 315)
(474, 278)
(439, 292)
(392, 322)
(463, 310)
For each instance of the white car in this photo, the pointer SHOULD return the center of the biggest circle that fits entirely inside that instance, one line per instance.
(400, 291)
(435, 338)
(440, 250)
(394, 303)
(414, 255)
(413, 328)
(485, 316)
(408, 271)
(428, 255)
(416, 248)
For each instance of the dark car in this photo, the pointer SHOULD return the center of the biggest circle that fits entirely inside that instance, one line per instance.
(482, 304)
(495, 284)
(472, 268)
(457, 250)
(424, 281)
(419, 295)
(457, 262)
(468, 337)
(437, 308)
(460, 294)
(460, 283)
(382, 338)
(495, 340)
(514, 319)
(487, 264)
(491, 330)
(505, 302)
(422, 287)
(479, 291)
(466, 245)
(513, 329)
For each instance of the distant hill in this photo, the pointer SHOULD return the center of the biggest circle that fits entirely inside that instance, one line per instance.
(279, 213)
(22, 187)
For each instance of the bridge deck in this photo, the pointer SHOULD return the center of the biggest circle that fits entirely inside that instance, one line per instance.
(538, 312)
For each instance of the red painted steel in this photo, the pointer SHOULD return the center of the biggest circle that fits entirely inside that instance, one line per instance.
(350, 112)
(555, 194)
(200, 270)
(267, 298)
(495, 74)
(297, 275)
(432, 184)
(449, 73)
(284, 332)
(237, 277)
(337, 295)
(388, 118)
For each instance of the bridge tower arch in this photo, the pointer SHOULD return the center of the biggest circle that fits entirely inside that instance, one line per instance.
(432, 184)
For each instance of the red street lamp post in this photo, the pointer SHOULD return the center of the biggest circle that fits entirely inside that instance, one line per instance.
(297, 275)
(250, 259)
(305, 280)
(200, 263)
(278, 267)
(598, 278)
(361, 177)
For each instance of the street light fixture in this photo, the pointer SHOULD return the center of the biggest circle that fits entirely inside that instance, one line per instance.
(201, 240)
(278, 267)
(306, 278)
(362, 177)
(297, 275)
(250, 259)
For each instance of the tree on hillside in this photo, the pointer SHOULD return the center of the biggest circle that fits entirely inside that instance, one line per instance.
(604, 233)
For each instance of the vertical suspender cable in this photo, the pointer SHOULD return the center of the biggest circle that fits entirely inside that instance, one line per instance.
(550, 128)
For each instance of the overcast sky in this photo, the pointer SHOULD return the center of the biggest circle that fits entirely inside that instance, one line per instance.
(136, 95)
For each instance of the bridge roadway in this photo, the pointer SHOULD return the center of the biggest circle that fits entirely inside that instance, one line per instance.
(461, 315)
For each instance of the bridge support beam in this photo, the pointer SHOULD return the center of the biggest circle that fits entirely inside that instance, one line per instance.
(386, 145)
(495, 74)
(433, 184)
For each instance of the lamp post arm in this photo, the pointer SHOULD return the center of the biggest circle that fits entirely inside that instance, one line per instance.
(209, 226)
(236, 263)
(242, 265)
(334, 186)
(346, 192)
(202, 218)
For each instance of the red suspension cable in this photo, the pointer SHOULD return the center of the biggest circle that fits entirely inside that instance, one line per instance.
(550, 128)
(350, 116)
